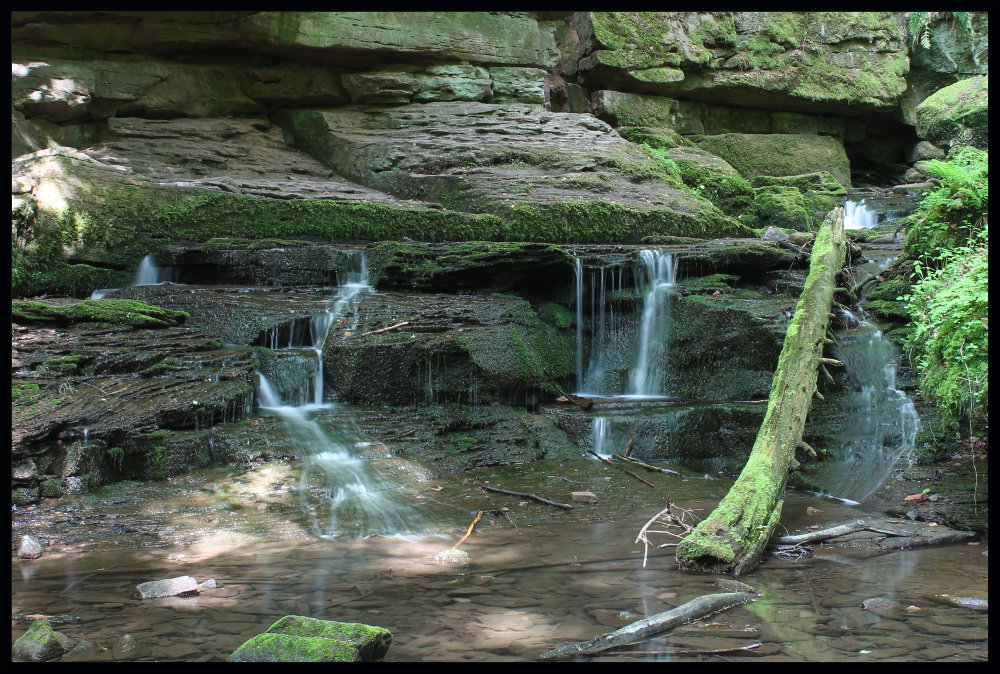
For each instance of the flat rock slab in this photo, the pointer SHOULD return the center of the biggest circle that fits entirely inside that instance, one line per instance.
(171, 587)
(914, 534)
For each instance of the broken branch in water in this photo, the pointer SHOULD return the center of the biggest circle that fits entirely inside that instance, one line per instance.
(736, 649)
(582, 403)
(833, 532)
(519, 494)
(652, 469)
(479, 516)
(667, 519)
(695, 609)
(391, 327)
(627, 472)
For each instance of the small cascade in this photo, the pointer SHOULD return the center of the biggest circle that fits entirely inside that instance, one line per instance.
(866, 213)
(878, 422)
(628, 339)
(646, 377)
(339, 491)
(599, 435)
(149, 274)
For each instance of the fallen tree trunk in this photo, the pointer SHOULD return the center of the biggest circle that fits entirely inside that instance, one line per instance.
(732, 538)
(700, 607)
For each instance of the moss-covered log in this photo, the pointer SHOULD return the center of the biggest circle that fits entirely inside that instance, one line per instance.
(733, 536)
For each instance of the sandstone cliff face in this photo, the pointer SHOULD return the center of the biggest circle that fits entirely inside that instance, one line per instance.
(458, 148)
(489, 113)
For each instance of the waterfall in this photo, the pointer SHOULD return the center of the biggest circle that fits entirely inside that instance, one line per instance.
(646, 377)
(149, 274)
(867, 213)
(858, 216)
(627, 347)
(339, 491)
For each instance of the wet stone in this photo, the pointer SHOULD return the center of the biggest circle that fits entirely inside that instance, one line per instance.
(884, 653)
(29, 548)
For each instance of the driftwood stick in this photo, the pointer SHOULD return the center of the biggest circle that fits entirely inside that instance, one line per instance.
(736, 649)
(812, 452)
(814, 536)
(641, 464)
(831, 361)
(628, 450)
(701, 607)
(627, 472)
(479, 516)
(498, 490)
(582, 403)
(391, 327)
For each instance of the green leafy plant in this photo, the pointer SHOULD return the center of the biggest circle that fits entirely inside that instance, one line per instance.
(949, 301)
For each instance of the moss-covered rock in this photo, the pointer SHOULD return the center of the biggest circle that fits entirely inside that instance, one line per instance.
(302, 639)
(123, 314)
(100, 216)
(41, 642)
(715, 179)
(781, 154)
(467, 266)
(782, 207)
(957, 114)
(750, 58)
(287, 648)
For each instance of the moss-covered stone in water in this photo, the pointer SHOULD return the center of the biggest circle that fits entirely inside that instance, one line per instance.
(41, 642)
(302, 639)
(372, 641)
(287, 648)
(127, 314)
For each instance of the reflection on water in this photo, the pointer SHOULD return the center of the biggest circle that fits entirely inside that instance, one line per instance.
(529, 589)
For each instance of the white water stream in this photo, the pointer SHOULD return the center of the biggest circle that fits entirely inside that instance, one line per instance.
(341, 491)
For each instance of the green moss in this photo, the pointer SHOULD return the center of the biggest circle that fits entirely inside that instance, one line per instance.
(888, 310)
(286, 648)
(663, 138)
(25, 395)
(165, 366)
(782, 207)
(556, 315)
(711, 283)
(649, 39)
(122, 313)
(957, 115)
(231, 243)
(66, 364)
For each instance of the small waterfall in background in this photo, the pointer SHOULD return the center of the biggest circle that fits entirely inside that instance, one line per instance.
(149, 274)
(340, 490)
(869, 212)
(646, 377)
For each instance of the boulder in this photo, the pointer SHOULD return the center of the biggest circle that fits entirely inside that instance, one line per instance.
(453, 83)
(754, 59)
(781, 154)
(389, 85)
(41, 642)
(302, 639)
(29, 548)
(518, 85)
(957, 115)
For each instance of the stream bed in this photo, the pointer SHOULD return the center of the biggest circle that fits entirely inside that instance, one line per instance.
(540, 577)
